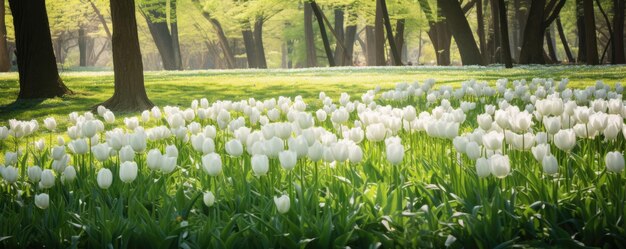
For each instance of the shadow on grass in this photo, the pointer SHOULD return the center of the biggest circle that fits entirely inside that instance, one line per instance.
(19, 106)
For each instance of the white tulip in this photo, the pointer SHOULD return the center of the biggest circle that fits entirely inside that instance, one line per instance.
(472, 150)
(50, 123)
(355, 154)
(109, 117)
(47, 179)
(153, 159)
(42, 201)
(565, 139)
(79, 146)
(105, 178)
(10, 174)
(69, 174)
(288, 159)
(500, 165)
(260, 165)
(395, 153)
(482, 167)
(168, 164)
(282, 203)
(126, 154)
(614, 161)
(34, 173)
(10, 158)
(138, 141)
(234, 148)
(209, 199)
(89, 128)
(376, 132)
(171, 151)
(550, 165)
(212, 164)
(128, 171)
(315, 152)
(321, 115)
(101, 152)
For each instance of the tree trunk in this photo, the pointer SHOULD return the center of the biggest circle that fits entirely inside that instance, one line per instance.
(580, 25)
(480, 20)
(248, 40)
(339, 30)
(504, 39)
(38, 73)
(156, 18)
(399, 37)
(371, 45)
(441, 38)
(129, 91)
(349, 40)
(5, 59)
(551, 48)
(320, 21)
(451, 10)
(532, 47)
(379, 32)
(311, 55)
(515, 30)
(617, 49)
(103, 21)
(496, 50)
(82, 47)
(568, 52)
(395, 54)
(223, 40)
(174, 34)
(258, 43)
(591, 48)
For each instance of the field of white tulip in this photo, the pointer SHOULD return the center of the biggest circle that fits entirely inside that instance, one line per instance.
(527, 163)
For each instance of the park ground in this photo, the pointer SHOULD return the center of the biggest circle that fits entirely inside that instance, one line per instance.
(181, 87)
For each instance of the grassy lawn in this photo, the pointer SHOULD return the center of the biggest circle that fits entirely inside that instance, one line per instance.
(179, 88)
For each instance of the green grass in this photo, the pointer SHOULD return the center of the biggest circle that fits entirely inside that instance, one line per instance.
(180, 88)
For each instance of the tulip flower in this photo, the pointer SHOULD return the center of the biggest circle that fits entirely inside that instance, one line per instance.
(101, 152)
(79, 146)
(550, 165)
(395, 153)
(260, 165)
(34, 174)
(42, 200)
(287, 159)
(614, 161)
(50, 123)
(500, 165)
(47, 178)
(168, 164)
(282, 203)
(153, 160)
(69, 174)
(105, 178)
(234, 148)
(89, 128)
(10, 174)
(212, 164)
(126, 154)
(10, 158)
(483, 168)
(138, 141)
(128, 171)
(565, 139)
(209, 199)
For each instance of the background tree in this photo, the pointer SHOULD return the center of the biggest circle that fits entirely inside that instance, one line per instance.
(129, 91)
(38, 73)
(5, 61)
(165, 36)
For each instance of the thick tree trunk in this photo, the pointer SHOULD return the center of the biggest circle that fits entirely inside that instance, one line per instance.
(532, 47)
(339, 31)
(5, 59)
(504, 31)
(480, 20)
(311, 55)
(379, 32)
(371, 45)
(496, 49)
(395, 53)
(568, 52)
(591, 48)
(451, 10)
(166, 42)
(441, 38)
(174, 34)
(82, 47)
(258, 43)
(399, 37)
(320, 21)
(38, 73)
(580, 26)
(248, 40)
(129, 91)
(617, 48)
(349, 40)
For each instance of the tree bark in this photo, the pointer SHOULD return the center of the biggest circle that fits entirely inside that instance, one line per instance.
(568, 52)
(399, 37)
(618, 55)
(580, 26)
(504, 39)
(248, 40)
(532, 47)
(496, 50)
(339, 30)
(5, 59)
(480, 20)
(155, 15)
(38, 73)
(551, 48)
(174, 34)
(395, 54)
(311, 55)
(129, 91)
(320, 21)
(82, 47)
(258, 42)
(591, 48)
(371, 45)
(451, 10)
(379, 32)
(349, 40)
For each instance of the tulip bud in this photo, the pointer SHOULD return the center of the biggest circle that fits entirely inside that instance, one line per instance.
(171, 151)
(209, 199)
(126, 154)
(550, 165)
(234, 148)
(316, 151)
(34, 174)
(10, 158)
(565, 139)
(128, 171)
(168, 164)
(69, 173)
(101, 152)
(212, 164)
(79, 146)
(540, 151)
(355, 154)
(138, 141)
(282, 203)
(260, 165)
(472, 150)
(47, 179)
(42, 200)
(105, 178)
(395, 153)
(288, 159)
(109, 117)
(482, 167)
(500, 165)
(614, 162)
(50, 123)
(153, 160)
(10, 174)
(89, 128)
